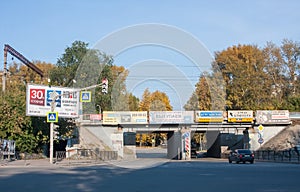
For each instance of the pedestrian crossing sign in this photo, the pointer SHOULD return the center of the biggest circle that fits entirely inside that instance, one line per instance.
(52, 117)
(85, 96)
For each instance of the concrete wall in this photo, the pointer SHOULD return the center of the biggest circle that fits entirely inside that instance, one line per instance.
(112, 139)
(267, 133)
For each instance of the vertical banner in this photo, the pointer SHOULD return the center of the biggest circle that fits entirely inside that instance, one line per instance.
(186, 136)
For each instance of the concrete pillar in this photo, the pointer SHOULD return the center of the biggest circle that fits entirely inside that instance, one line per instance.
(213, 144)
(174, 145)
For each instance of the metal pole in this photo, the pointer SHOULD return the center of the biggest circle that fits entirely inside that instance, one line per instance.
(4, 71)
(51, 130)
(51, 142)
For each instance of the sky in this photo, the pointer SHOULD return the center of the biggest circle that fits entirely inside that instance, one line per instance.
(42, 30)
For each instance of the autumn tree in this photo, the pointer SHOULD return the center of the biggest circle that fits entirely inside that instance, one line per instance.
(290, 52)
(119, 95)
(160, 102)
(146, 101)
(247, 86)
(282, 68)
(192, 103)
(156, 101)
(133, 102)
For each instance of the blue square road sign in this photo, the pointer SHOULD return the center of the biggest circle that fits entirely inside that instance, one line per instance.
(52, 117)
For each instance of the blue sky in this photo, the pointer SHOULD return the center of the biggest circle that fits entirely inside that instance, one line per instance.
(41, 30)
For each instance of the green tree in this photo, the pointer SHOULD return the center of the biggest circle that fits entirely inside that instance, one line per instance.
(14, 124)
(68, 63)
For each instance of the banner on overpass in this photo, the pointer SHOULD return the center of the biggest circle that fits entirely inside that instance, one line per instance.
(272, 116)
(171, 117)
(208, 116)
(124, 117)
(240, 116)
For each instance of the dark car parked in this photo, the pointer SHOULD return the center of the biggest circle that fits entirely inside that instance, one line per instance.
(241, 155)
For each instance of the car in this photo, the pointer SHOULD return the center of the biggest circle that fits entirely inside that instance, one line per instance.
(241, 155)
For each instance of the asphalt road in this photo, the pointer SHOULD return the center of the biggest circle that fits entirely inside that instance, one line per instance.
(196, 175)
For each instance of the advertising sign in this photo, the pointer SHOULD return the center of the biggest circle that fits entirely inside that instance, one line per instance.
(272, 117)
(124, 117)
(208, 116)
(171, 117)
(240, 116)
(40, 97)
(95, 117)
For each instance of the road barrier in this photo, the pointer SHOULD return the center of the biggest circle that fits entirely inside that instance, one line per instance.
(86, 156)
(292, 155)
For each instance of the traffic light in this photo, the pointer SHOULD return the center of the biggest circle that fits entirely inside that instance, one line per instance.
(55, 131)
(104, 85)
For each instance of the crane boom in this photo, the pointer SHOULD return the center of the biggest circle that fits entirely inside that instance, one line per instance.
(18, 55)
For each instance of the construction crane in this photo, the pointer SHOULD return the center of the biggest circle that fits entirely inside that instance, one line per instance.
(18, 55)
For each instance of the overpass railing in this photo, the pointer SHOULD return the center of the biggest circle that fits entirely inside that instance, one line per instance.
(292, 155)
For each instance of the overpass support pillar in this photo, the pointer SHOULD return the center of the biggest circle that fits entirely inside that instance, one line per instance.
(174, 145)
(213, 144)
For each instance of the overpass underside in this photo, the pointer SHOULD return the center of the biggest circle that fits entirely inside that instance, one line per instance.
(176, 141)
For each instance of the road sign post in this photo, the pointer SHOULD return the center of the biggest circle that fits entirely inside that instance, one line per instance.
(51, 119)
(52, 130)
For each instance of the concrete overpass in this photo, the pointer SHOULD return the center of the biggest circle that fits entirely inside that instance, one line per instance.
(220, 136)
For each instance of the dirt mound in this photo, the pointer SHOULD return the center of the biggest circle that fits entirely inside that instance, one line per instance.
(286, 139)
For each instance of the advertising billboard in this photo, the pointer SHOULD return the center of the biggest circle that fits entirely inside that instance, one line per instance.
(208, 116)
(272, 116)
(171, 117)
(40, 97)
(240, 116)
(124, 117)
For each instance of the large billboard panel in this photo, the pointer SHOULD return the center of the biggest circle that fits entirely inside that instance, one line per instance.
(124, 117)
(272, 116)
(209, 116)
(171, 117)
(240, 116)
(40, 97)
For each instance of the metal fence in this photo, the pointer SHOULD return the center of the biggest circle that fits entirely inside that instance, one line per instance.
(291, 155)
(86, 156)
